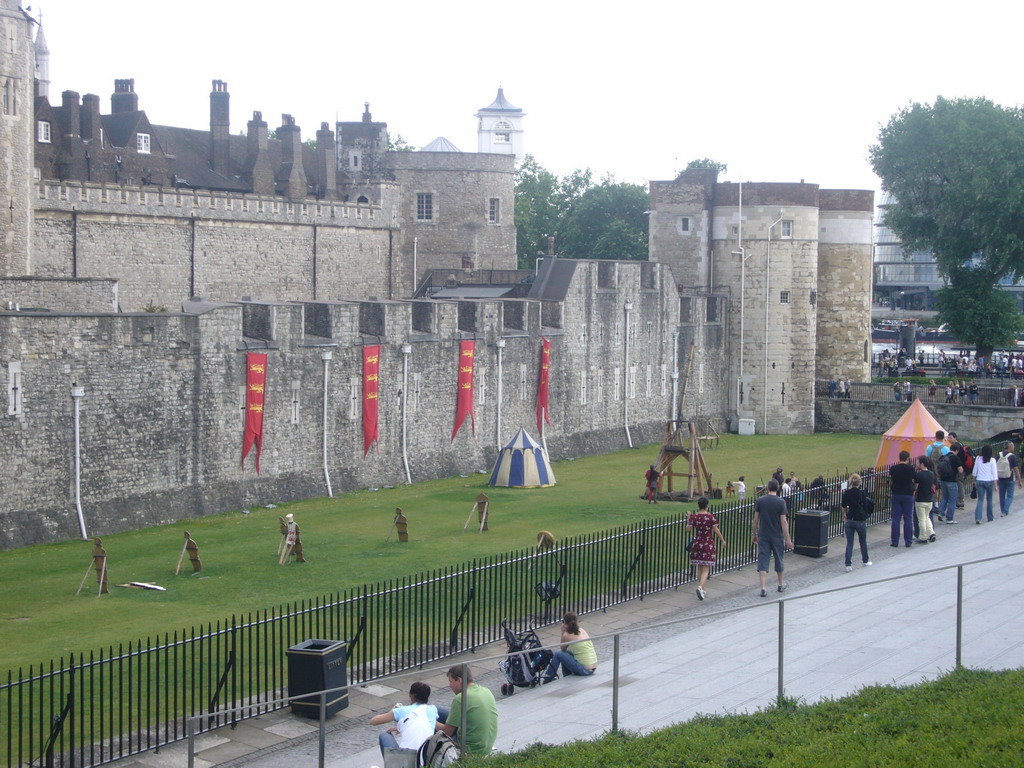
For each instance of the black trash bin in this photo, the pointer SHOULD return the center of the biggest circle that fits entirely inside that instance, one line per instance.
(315, 665)
(811, 537)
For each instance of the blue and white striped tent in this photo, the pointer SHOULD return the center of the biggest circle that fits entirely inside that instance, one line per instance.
(522, 464)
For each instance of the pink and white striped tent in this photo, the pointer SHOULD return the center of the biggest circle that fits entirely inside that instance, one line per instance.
(914, 430)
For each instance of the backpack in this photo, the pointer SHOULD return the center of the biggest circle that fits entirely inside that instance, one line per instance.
(439, 750)
(968, 460)
(945, 469)
(1003, 470)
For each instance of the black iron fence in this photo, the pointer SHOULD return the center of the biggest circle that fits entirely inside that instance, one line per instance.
(984, 392)
(101, 706)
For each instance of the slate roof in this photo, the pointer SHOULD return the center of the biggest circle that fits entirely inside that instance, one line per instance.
(440, 144)
(500, 104)
(553, 280)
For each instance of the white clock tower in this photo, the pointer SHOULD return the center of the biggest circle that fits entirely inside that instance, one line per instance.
(500, 128)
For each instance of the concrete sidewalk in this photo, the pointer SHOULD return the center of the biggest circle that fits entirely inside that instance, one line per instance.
(898, 632)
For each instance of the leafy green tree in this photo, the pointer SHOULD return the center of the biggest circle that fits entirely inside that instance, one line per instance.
(705, 162)
(979, 313)
(588, 221)
(608, 221)
(954, 169)
(536, 210)
(397, 144)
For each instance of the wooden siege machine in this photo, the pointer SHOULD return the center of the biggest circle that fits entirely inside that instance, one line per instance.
(684, 442)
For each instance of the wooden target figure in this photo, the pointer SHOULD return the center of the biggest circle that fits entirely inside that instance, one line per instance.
(545, 541)
(481, 507)
(99, 562)
(291, 543)
(193, 555)
(401, 525)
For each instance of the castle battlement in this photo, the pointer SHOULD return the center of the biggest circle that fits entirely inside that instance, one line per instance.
(160, 201)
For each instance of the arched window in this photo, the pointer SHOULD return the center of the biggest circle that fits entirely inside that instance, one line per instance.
(363, 199)
(502, 132)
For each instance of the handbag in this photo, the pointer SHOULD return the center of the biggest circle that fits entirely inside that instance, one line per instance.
(974, 492)
(867, 504)
(689, 544)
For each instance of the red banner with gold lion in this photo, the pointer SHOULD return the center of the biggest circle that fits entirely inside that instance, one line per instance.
(371, 373)
(464, 392)
(542, 385)
(255, 393)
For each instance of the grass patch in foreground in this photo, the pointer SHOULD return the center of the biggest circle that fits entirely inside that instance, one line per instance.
(42, 619)
(966, 718)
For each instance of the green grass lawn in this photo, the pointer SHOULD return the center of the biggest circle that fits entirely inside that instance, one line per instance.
(344, 540)
(967, 718)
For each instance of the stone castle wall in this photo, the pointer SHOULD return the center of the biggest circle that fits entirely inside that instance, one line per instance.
(161, 419)
(163, 247)
(84, 294)
(872, 417)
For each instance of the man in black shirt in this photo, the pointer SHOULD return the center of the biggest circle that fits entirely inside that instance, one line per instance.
(904, 484)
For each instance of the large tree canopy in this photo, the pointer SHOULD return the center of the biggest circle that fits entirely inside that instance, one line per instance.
(587, 220)
(954, 169)
(607, 222)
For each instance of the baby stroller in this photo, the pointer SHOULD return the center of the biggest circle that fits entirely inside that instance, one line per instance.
(524, 665)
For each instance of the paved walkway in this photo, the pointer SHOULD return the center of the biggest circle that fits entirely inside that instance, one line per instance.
(897, 632)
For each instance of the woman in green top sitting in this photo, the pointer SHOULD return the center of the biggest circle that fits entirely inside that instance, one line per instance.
(577, 656)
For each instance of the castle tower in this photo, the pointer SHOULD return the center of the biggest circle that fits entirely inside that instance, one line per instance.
(500, 128)
(844, 283)
(17, 138)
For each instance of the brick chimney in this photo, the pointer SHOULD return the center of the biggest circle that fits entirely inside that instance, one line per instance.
(291, 178)
(326, 165)
(257, 161)
(90, 115)
(220, 128)
(72, 113)
(124, 98)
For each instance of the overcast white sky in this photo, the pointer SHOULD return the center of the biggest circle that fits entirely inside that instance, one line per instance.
(779, 91)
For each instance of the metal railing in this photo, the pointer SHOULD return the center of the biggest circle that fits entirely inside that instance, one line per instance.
(105, 705)
(648, 629)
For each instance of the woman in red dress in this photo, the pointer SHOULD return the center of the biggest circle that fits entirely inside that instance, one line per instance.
(702, 554)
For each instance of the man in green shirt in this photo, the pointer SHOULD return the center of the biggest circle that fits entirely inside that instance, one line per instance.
(481, 714)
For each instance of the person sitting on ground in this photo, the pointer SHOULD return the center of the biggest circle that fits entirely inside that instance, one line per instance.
(577, 656)
(481, 714)
(413, 723)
